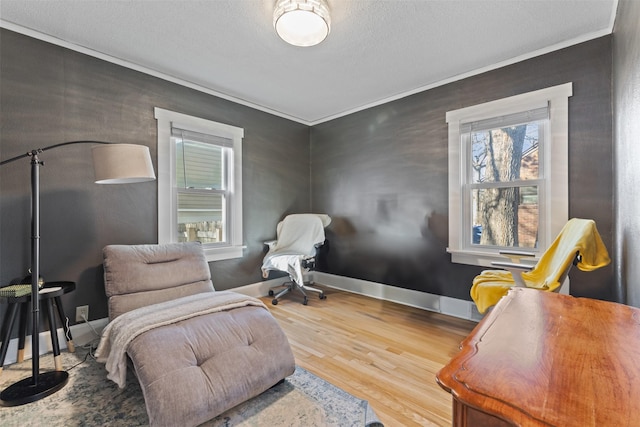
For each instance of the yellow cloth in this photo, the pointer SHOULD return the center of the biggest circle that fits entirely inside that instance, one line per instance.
(578, 235)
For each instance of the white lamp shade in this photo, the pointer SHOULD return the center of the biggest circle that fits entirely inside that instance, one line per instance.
(122, 163)
(302, 22)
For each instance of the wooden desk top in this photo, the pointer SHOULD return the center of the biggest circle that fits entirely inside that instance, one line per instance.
(541, 359)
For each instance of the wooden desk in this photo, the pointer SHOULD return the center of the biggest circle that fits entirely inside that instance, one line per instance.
(546, 359)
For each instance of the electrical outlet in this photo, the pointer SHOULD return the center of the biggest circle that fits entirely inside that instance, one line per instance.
(82, 310)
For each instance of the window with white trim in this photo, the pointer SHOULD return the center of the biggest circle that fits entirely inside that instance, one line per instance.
(508, 175)
(200, 183)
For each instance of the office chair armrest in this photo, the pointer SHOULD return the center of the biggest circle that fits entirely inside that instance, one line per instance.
(309, 263)
(512, 266)
(516, 271)
(516, 256)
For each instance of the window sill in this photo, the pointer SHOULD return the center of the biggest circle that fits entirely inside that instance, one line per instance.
(220, 254)
(480, 258)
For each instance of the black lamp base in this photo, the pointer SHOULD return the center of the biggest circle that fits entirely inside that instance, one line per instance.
(24, 391)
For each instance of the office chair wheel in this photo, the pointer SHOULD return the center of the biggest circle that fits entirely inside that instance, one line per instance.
(274, 301)
(270, 293)
(323, 296)
(305, 301)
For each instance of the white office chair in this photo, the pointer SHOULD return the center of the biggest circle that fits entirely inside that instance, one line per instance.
(298, 238)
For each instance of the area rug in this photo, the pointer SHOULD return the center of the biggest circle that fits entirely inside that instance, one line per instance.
(89, 399)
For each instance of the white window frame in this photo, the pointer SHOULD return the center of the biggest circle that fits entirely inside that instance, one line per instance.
(167, 190)
(555, 185)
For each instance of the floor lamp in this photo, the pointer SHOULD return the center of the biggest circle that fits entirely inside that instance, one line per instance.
(113, 164)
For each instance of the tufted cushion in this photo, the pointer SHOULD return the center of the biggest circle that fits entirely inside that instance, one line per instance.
(214, 363)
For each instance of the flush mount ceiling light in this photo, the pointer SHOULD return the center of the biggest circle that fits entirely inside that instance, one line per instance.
(302, 22)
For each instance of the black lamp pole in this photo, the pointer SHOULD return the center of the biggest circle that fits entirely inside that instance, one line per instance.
(38, 385)
(41, 385)
(35, 266)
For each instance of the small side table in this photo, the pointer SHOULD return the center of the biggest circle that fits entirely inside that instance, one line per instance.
(49, 293)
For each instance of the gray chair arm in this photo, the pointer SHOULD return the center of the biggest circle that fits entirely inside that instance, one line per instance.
(515, 268)
(512, 266)
(516, 256)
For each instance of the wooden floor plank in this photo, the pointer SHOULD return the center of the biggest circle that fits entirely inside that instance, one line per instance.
(383, 352)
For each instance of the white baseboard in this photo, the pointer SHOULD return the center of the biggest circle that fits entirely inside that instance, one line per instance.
(450, 306)
(260, 289)
(85, 333)
(82, 334)
(441, 304)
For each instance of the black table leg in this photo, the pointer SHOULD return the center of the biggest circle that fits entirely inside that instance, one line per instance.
(24, 316)
(54, 334)
(7, 326)
(65, 325)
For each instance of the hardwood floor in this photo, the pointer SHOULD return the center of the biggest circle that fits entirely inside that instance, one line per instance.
(383, 352)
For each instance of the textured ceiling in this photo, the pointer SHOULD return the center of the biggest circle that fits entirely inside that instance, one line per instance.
(377, 50)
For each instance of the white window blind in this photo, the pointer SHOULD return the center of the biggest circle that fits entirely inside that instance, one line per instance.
(506, 120)
(202, 169)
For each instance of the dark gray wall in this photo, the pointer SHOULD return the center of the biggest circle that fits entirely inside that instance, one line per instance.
(382, 173)
(49, 95)
(626, 77)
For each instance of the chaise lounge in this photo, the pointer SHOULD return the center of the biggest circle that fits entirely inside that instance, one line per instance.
(196, 352)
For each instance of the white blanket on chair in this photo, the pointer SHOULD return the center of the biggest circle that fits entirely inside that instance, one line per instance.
(122, 330)
(298, 235)
(291, 263)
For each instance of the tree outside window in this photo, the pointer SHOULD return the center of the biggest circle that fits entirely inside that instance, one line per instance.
(505, 164)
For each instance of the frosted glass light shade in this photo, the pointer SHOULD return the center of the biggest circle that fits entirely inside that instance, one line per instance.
(122, 163)
(302, 22)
